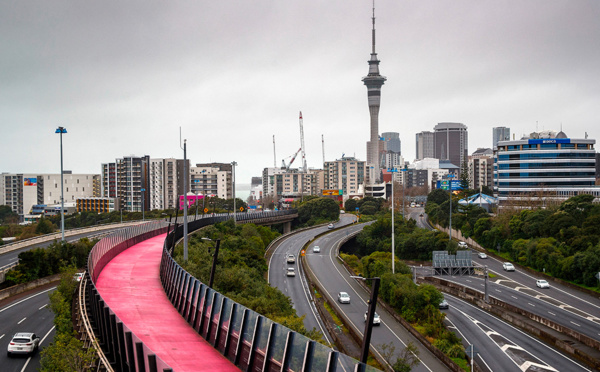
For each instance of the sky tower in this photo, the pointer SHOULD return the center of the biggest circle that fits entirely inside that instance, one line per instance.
(373, 81)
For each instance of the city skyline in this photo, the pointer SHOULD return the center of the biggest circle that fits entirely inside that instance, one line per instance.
(123, 78)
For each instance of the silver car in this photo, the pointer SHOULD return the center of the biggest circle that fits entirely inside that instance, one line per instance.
(23, 343)
(507, 266)
(344, 298)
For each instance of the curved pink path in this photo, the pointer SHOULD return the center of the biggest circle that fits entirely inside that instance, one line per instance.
(131, 287)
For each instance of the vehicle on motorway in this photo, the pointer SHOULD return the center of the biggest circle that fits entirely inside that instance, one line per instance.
(342, 211)
(421, 215)
(507, 266)
(344, 298)
(482, 255)
(291, 258)
(412, 205)
(462, 245)
(23, 343)
(330, 226)
(541, 283)
(290, 271)
(444, 304)
(376, 318)
(316, 249)
(78, 276)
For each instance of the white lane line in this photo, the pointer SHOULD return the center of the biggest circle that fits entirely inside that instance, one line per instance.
(514, 297)
(25, 299)
(22, 320)
(42, 307)
(575, 324)
(497, 290)
(28, 359)
(551, 313)
(2, 336)
(531, 304)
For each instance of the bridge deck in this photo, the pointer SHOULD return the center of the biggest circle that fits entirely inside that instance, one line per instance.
(131, 287)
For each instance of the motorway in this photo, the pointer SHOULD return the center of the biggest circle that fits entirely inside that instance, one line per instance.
(26, 314)
(499, 339)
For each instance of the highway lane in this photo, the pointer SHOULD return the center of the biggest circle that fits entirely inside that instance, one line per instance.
(334, 277)
(502, 347)
(27, 314)
(297, 287)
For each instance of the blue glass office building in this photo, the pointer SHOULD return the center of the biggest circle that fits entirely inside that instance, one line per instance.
(545, 166)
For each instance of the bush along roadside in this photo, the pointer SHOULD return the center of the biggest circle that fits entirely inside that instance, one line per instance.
(418, 305)
(65, 352)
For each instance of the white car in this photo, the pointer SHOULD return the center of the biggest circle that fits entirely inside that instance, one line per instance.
(290, 271)
(344, 298)
(462, 245)
(376, 318)
(507, 266)
(316, 249)
(23, 343)
(330, 226)
(541, 283)
(482, 255)
(78, 276)
(291, 258)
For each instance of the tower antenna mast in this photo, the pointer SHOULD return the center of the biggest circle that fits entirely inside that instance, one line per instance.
(274, 156)
(302, 144)
(323, 146)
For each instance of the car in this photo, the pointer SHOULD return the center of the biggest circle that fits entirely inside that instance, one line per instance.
(376, 318)
(482, 255)
(78, 276)
(421, 215)
(290, 271)
(342, 211)
(344, 298)
(23, 343)
(541, 283)
(316, 249)
(462, 245)
(444, 304)
(330, 226)
(291, 259)
(507, 266)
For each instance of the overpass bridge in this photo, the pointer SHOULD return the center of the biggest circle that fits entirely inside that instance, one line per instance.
(246, 339)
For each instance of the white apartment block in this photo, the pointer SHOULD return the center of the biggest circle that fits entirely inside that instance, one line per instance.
(212, 179)
(347, 174)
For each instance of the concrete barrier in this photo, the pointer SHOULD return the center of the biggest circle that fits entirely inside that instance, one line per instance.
(20, 288)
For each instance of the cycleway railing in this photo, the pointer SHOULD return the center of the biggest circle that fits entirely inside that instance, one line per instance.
(250, 340)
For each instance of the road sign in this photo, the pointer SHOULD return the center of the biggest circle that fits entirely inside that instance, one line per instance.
(302, 252)
(241, 209)
(205, 210)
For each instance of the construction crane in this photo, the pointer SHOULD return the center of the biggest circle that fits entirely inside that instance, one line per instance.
(304, 169)
(287, 167)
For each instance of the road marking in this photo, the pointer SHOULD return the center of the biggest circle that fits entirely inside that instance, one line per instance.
(531, 304)
(497, 290)
(42, 340)
(2, 336)
(22, 320)
(551, 313)
(25, 299)
(514, 297)
(575, 323)
(43, 307)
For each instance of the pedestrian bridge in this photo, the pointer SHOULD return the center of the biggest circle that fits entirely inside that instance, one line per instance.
(143, 312)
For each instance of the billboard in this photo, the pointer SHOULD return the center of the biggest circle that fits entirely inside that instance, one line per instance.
(333, 192)
(29, 181)
(454, 185)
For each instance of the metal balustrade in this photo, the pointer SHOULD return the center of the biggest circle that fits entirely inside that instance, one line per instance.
(249, 340)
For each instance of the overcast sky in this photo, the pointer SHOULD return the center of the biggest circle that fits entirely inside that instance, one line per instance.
(123, 76)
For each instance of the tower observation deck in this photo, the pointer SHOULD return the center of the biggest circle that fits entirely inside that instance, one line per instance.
(373, 81)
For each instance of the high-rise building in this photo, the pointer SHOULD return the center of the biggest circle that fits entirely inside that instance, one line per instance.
(544, 167)
(424, 145)
(373, 81)
(392, 141)
(346, 174)
(212, 179)
(481, 168)
(500, 134)
(126, 180)
(166, 182)
(450, 142)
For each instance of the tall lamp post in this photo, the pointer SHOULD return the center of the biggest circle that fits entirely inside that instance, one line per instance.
(143, 192)
(185, 201)
(370, 314)
(450, 194)
(403, 189)
(62, 130)
(214, 263)
(234, 163)
(393, 170)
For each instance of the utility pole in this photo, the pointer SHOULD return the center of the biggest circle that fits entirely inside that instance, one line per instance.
(234, 163)
(62, 130)
(185, 201)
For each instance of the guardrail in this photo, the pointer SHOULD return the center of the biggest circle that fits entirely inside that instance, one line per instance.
(241, 334)
(248, 339)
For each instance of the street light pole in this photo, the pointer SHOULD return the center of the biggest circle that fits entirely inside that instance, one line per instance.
(392, 171)
(185, 214)
(62, 130)
(450, 194)
(213, 268)
(143, 192)
(234, 163)
(370, 315)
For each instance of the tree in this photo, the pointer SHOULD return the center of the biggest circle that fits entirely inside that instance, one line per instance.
(315, 210)
(437, 196)
(7, 215)
(405, 360)
(350, 205)
(44, 226)
(66, 353)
